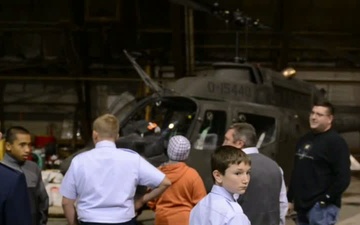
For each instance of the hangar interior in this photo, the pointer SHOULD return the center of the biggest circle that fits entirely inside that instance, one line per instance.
(62, 62)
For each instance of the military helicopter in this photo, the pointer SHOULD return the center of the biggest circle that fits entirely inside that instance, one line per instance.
(201, 108)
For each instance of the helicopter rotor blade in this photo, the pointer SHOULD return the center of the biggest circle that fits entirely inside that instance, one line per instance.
(144, 76)
(236, 16)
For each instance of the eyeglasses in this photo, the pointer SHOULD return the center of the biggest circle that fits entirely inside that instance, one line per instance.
(317, 114)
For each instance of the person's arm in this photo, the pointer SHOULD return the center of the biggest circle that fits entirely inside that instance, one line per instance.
(154, 193)
(69, 210)
(290, 192)
(283, 200)
(68, 191)
(152, 203)
(340, 165)
(153, 178)
(17, 210)
(43, 200)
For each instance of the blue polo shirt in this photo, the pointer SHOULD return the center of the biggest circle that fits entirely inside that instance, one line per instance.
(104, 180)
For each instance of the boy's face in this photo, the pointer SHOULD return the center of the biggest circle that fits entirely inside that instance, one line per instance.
(236, 178)
(20, 149)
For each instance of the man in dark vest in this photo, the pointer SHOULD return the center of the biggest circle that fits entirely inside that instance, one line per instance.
(14, 199)
(18, 148)
(264, 201)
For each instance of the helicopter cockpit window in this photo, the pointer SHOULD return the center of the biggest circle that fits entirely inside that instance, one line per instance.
(212, 130)
(165, 117)
(264, 126)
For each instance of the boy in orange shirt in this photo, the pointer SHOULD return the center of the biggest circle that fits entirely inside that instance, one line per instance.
(187, 189)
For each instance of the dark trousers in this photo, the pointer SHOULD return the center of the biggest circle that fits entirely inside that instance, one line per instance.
(131, 222)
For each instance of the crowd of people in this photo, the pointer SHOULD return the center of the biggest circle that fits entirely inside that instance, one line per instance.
(100, 185)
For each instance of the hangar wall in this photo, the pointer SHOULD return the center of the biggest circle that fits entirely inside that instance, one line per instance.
(342, 88)
(43, 106)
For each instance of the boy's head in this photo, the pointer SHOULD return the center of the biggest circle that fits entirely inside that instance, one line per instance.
(18, 143)
(231, 169)
(178, 148)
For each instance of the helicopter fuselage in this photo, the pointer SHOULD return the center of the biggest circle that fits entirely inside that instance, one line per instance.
(202, 108)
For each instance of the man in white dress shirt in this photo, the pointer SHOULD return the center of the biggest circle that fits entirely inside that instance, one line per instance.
(103, 180)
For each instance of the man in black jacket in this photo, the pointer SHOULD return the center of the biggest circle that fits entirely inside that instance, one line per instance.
(14, 199)
(321, 170)
(18, 148)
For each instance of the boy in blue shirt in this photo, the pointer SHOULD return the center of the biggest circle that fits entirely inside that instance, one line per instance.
(231, 173)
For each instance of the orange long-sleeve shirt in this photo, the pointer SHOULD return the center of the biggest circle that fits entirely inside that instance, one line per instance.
(187, 189)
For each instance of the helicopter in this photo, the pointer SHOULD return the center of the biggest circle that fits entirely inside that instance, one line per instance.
(203, 107)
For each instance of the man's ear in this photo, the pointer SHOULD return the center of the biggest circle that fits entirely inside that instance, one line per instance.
(217, 176)
(239, 144)
(94, 135)
(7, 146)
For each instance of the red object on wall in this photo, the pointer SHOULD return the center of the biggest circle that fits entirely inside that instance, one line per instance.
(42, 141)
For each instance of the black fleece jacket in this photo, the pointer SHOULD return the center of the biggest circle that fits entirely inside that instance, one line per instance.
(321, 170)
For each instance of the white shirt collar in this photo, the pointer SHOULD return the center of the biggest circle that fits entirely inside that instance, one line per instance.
(250, 150)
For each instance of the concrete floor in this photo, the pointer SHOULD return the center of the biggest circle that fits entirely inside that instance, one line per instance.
(349, 213)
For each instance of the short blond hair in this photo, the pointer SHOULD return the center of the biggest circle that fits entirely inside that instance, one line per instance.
(107, 126)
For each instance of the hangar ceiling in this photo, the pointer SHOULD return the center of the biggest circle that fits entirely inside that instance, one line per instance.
(86, 37)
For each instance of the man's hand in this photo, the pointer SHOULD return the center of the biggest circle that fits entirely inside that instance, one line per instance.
(290, 208)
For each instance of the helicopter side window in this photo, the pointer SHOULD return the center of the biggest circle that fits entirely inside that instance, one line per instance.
(212, 130)
(264, 126)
